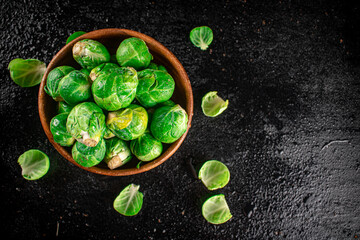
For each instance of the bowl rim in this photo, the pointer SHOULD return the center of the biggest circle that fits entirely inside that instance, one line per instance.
(163, 51)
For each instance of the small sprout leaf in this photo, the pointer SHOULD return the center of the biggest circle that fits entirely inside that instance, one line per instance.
(215, 210)
(201, 37)
(129, 201)
(212, 105)
(26, 72)
(214, 174)
(34, 163)
(74, 35)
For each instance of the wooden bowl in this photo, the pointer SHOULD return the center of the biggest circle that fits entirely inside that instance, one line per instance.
(111, 38)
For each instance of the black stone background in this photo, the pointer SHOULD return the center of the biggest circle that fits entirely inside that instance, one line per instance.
(290, 137)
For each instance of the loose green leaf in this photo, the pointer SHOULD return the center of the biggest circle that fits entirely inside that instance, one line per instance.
(201, 37)
(212, 105)
(129, 201)
(34, 163)
(215, 210)
(26, 72)
(74, 35)
(214, 174)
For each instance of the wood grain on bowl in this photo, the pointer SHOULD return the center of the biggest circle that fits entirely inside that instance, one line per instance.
(111, 38)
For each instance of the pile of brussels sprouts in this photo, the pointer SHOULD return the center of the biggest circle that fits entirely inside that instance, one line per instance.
(115, 106)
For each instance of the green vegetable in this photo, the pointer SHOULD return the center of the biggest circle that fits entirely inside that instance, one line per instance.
(115, 90)
(86, 123)
(75, 87)
(129, 201)
(157, 67)
(129, 123)
(117, 153)
(104, 68)
(74, 35)
(108, 134)
(34, 163)
(201, 37)
(59, 132)
(63, 107)
(89, 156)
(146, 147)
(90, 53)
(212, 105)
(53, 79)
(133, 52)
(86, 71)
(169, 123)
(215, 210)
(214, 174)
(26, 72)
(155, 86)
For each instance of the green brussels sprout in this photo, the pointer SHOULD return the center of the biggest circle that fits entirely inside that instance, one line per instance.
(201, 37)
(108, 134)
(64, 107)
(34, 164)
(146, 147)
(53, 79)
(26, 72)
(86, 123)
(130, 200)
(89, 156)
(104, 68)
(156, 67)
(133, 52)
(129, 123)
(115, 90)
(155, 86)
(86, 71)
(90, 53)
(75, 87)
(59, 132)
(216, 210)
(117, 153)
(169, 123)
(166, 103)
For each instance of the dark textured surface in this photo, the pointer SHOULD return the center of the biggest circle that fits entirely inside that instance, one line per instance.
(290, 137)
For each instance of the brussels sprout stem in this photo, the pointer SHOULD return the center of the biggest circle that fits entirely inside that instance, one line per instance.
(78, 48)
(117, 160)
(87, 140)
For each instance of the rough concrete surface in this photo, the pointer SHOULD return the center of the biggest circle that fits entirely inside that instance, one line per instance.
(290, 137)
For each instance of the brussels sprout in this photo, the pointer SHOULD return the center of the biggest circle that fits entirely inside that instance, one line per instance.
(166, 103)
(64, 107)
(104, 68)
(146, 147)
(59, 132)
(201, 37)
(216, 210)
(53, 80)
(214, 174)
(116, 89)
(89, 156)
(157, 67)
(34, 164)
(117, 153)
(86, 123)
(90, 53)
(74, 35)
(133, 52)
(86, 71)
(155, 86)
(108, 134)
(75, 87)
(26, 72)
(212, 105)
(129, 123)
(169, 123)
(129, 201)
